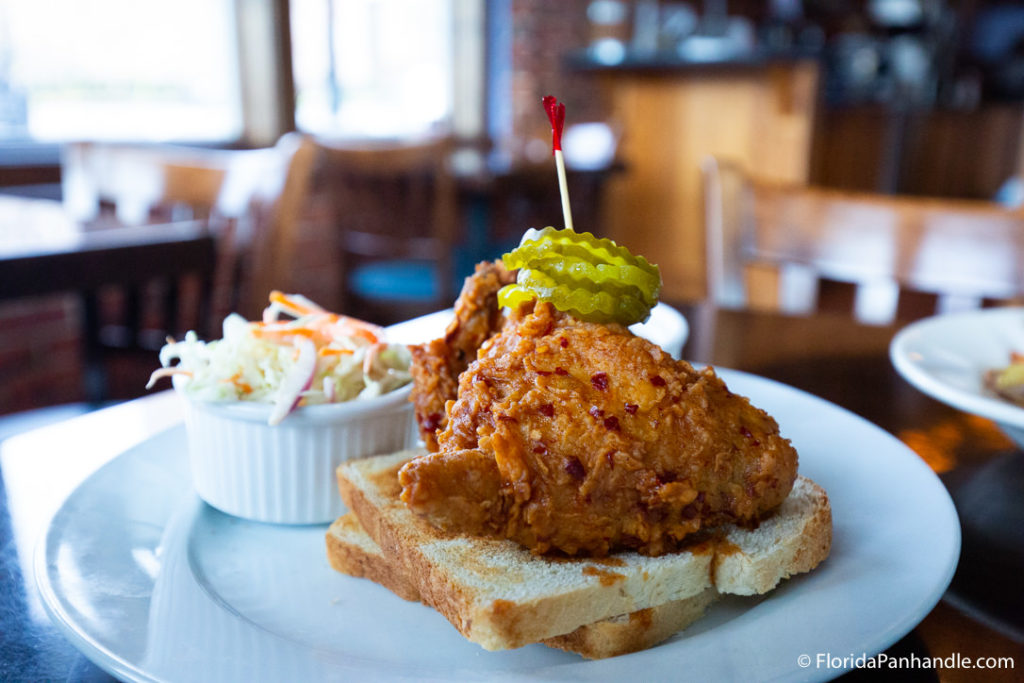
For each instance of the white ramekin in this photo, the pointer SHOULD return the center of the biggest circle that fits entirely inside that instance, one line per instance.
(285, 474)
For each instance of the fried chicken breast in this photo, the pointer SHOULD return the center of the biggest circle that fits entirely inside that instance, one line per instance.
(436, 365)
(586, 439)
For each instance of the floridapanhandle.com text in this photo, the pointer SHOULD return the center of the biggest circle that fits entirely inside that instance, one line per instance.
(828, 660)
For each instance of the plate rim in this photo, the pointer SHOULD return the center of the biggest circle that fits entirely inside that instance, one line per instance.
(109, 661)
(668, 312)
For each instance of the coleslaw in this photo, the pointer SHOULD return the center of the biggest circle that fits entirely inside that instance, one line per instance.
(312, 357)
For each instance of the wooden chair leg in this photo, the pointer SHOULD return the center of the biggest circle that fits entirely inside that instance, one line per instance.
(93, 369)
(170, 303)
(132, 317)
(203, 312)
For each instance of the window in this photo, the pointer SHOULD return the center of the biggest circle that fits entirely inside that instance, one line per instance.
(379, 68)
(119, 69)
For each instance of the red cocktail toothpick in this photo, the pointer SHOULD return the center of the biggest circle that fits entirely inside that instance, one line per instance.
(556, 114)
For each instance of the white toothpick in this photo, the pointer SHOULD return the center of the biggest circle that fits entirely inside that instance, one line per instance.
(563, 188)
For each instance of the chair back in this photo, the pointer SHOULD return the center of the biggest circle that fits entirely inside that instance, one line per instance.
(252, 201)
(266, 194)
(134, 298)
(133, 184)
(395, 202)
(778, 246)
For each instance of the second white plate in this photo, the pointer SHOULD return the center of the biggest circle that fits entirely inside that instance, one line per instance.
(946, 357)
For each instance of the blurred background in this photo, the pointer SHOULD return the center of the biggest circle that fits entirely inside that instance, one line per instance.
(367, 153)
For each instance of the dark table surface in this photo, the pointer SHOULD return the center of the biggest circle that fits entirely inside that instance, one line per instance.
(43, 251)
(833, 357)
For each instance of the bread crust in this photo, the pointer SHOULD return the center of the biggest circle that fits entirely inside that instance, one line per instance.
(741, 567)
(356, 560)
(635, 631)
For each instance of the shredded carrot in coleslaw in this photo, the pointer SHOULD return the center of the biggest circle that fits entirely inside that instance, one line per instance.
(260, 361)
(327, 351)
(294, 305)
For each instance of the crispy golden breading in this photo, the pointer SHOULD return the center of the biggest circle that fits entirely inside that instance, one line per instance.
(436, 365)
(587, 439)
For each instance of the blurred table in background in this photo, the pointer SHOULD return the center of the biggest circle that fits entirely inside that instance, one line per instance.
(44, 252)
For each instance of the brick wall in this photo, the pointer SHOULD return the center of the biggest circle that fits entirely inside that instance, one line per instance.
(543, 32)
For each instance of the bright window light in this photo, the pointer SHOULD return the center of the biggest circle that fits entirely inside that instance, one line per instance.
(375, 68)
(119, 70)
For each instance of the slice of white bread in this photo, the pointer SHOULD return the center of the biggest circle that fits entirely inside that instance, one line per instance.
(351, 551)
(634, 631)
(500, 596)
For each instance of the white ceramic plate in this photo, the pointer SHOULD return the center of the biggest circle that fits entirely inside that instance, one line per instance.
(946, 356)
(152, 584)
(666, 327)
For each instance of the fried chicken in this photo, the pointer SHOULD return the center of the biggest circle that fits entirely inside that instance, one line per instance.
(436, 365)
(585, 439)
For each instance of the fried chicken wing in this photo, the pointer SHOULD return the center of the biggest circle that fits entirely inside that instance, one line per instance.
(586, 439)
(436, 365)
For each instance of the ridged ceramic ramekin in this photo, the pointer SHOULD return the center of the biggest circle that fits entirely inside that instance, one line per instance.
(285, 473)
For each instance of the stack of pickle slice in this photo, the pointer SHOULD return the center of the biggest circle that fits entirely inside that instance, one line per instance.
(594, 279)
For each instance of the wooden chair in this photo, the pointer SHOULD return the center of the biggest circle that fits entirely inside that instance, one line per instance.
(151, 294)
(799, 249)
(264, 197)
(395, 216)
(132, 184)
(252, 201)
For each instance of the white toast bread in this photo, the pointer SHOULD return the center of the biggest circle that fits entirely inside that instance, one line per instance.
(500, 596)
(351, 551)
(634, 631)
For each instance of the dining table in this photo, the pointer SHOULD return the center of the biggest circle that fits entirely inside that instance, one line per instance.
(829, 355)
(45, 251)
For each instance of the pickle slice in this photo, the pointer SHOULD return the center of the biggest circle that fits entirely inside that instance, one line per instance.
(594, 279)
(617, 279)
(513, 295)
(549, 241)
(597, 308)
(591, 303)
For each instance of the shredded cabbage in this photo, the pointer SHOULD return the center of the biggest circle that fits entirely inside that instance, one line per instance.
(257, 361)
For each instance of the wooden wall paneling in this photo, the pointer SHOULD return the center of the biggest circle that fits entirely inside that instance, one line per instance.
(760, 116)
(963, 154)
